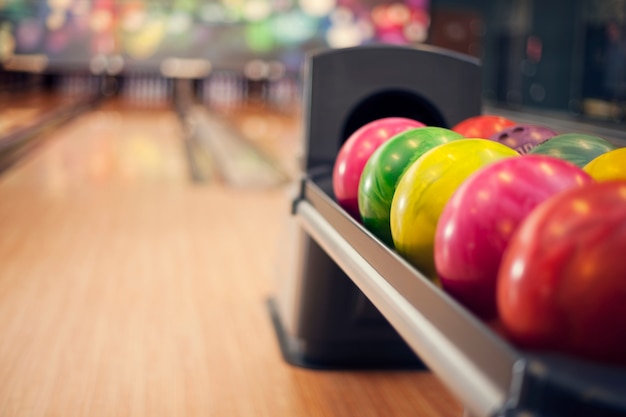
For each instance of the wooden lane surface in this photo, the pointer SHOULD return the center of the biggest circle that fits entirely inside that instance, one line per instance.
(20, 111)
(125, 290)
(273, 134)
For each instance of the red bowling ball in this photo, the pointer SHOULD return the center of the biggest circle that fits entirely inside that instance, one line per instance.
(355, 153)
(483, 126)
(477, 223)
(562, 282)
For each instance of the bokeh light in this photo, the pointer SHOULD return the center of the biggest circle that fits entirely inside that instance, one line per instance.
(260, 37)
(344, 31)
(318, 8)
(294, 27)
(256, 10)
(145, 32)
(179, 23)
(7, 42)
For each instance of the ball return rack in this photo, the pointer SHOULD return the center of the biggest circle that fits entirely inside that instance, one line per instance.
(348, 301)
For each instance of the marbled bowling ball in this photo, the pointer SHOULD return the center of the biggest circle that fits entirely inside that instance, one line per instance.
(523, 138)
(478, 222)
(426, 187)
(482, 126)
(561, 285)
(608, 166)
(384, 169)
(355, 152)
(577, 148)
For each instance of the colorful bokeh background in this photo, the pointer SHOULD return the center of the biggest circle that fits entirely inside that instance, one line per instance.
(143, 33)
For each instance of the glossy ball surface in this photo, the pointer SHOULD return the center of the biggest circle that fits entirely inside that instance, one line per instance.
(355, 152)
(483, 126)
(608, 166)
(478, 222)
(426, 187)
(574, 147)
(384, 169)
(562, 282)
(523, 138)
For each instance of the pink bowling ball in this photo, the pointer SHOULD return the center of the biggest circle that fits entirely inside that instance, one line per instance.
(355, 153)
(479, 220)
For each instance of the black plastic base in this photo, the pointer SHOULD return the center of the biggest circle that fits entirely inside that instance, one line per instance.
(352, 355)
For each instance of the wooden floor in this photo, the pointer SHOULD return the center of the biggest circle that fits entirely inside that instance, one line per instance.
(127, 290)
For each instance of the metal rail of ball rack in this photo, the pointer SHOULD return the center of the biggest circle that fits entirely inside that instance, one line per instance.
(485, 372)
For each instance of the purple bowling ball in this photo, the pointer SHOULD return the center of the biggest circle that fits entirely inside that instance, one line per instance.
(523, 138)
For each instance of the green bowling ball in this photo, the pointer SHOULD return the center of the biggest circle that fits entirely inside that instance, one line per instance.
(384, 169)
(577, 148)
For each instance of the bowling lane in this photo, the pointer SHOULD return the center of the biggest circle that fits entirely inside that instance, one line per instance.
(18, 111)
(24, 117)
(127, 289)
(111, 146)
(277, 134)
(248, 150)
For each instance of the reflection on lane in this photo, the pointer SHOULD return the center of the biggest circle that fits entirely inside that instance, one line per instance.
(114, 145)
(236, 159)
(122, 144)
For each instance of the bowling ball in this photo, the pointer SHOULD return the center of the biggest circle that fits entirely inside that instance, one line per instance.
(577, 148)
(355, 152)
(482, 126)
(385, 167)
(561, 286)
(523, 138)
(476, 225)
(426, 187)
(608, 166)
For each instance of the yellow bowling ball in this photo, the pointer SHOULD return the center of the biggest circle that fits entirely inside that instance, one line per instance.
(426, 187)
(608, 166)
